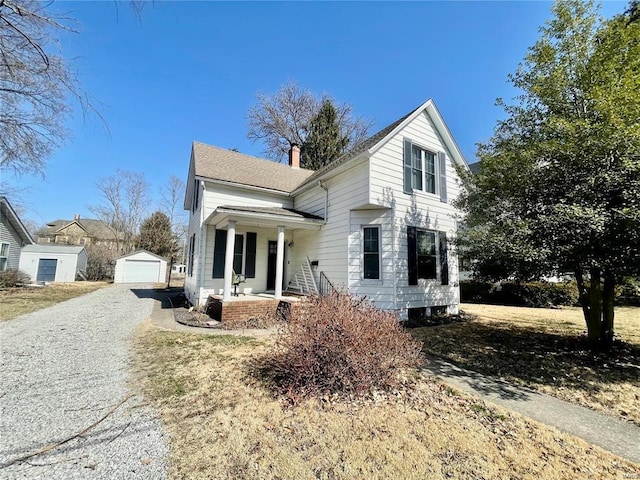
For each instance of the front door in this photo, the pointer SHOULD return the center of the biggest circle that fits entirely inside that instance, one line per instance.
(47, 270)
(271, 265)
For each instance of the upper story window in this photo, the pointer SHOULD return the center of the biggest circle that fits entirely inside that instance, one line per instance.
(196, 195)
(424, 170)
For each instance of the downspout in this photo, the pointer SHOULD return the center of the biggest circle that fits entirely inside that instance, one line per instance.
(203, 241)
(393, 255)
(326, 199)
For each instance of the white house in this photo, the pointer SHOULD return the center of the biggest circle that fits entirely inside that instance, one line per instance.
(377, 222)
(140, 267)
(53, 263)
(13, 236)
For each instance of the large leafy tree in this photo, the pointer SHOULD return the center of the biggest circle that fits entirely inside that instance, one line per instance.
(157, 237)
(325, 141)
(284, 119)
(559, 185)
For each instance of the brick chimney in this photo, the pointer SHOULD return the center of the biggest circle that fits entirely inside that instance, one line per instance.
(294, 156)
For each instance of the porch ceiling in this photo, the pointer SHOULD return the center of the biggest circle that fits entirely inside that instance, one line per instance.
(269, 217)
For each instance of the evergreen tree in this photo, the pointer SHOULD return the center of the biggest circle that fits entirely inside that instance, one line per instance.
(325, 141)
(156, 236)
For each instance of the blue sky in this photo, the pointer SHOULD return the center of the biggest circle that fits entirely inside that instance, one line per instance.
(190, 71)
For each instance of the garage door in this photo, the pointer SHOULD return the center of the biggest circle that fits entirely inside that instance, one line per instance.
(141, 271)
(47, 270)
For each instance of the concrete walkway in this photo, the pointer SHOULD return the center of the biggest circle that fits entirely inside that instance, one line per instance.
(612, 434)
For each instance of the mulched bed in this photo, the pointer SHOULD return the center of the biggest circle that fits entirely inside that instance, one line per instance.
(184, 314)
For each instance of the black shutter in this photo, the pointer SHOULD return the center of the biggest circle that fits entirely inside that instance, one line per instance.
(408, 187)
(219, 252)
(444, 259)
(412, 257)
(250, 263)
(442, 166)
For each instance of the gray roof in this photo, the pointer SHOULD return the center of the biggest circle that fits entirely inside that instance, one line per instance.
(142, 250)
(475, 168)
(44, 248)
(285, 212)
(8, 214)
(229, 166)
(94, 228)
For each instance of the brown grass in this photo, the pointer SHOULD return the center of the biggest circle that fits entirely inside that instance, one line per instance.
(547, 350)
(18, 301)
(225, 423)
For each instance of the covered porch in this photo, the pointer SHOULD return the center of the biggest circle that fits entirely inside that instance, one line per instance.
(252, 254)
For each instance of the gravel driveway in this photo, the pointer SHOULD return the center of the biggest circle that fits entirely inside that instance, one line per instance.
(64, 368)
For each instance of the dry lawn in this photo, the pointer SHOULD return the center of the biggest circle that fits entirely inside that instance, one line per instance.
(18, 301)
(225, 423)
(546, 350)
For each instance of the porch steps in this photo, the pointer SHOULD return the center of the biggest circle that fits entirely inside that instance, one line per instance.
(304, 281)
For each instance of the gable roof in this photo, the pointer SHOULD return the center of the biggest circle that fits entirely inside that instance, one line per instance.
(142, 250)
(228, 166)
(373, 143)
(94, 228)
(44, 248)
(9, 215)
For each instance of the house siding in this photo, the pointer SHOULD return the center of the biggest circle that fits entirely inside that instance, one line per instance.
(330, 246)
(420, 209)
(9, 235)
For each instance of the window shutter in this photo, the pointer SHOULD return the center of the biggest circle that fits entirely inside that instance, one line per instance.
(412, 258)
(219, 251)
(442, 164)
(250, 263)
(444, 259)
(407, 166)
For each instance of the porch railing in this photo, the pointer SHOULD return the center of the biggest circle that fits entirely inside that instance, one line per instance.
(325, 286)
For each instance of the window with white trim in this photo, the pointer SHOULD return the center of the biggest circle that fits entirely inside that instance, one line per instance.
(371, 253)
(4, 256)
(423, 165)
(426, 254)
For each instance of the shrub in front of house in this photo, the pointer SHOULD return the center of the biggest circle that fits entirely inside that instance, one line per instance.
(340, 345)
(526, 294)
(13, 278)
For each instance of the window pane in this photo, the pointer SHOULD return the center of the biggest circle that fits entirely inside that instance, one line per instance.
(426, 243)
(371, 240)
(430, 180)
(237, 254)
(426, 266)
(371, 266)
(3, 264)
(4, 250)
(430, 163)
(416, 157)
(416, 179)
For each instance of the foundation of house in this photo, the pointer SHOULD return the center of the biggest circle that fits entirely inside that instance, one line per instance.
(245, 307)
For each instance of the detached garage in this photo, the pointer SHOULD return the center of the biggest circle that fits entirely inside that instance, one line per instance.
(140, 267)
(53, 263)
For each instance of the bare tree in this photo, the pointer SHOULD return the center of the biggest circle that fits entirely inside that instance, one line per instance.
(125, 198)
(35, 83)
(283, 119)
(171, 202)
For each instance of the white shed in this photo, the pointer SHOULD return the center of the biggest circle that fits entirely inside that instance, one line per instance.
(53, 263)
(140, 267)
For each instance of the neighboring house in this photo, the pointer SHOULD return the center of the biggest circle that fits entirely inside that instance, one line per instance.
(85, 231)
(53, 263)
(140, 266)
(377, 222)
(13, 236)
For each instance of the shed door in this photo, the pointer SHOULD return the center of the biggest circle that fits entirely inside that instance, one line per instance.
(141, 271)
(47, 270)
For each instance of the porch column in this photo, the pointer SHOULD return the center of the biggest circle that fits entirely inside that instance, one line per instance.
(279, 262)
(228, 260)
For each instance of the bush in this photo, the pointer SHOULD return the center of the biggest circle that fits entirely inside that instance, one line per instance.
(13, 278)
(340, 345)
(99, 262)
(531, 294)
(629, 292)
